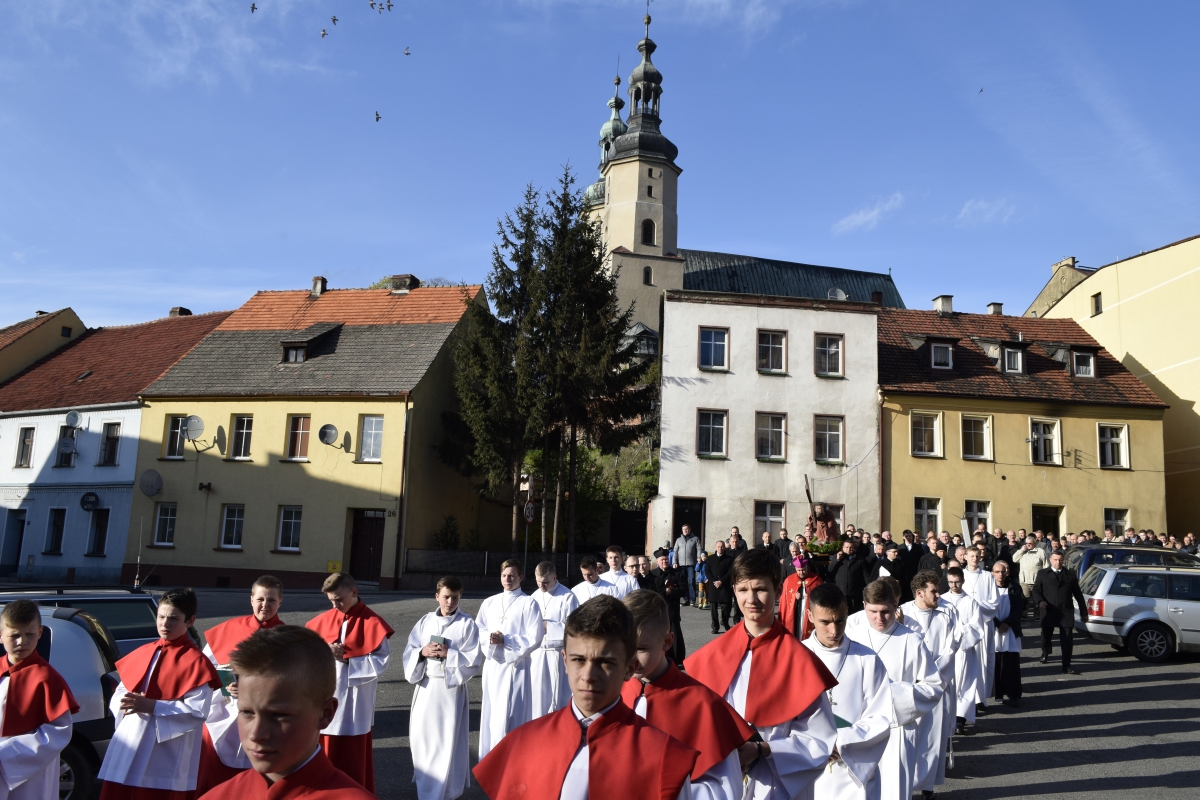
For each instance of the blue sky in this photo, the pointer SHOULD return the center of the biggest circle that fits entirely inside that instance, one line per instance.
(155, 153)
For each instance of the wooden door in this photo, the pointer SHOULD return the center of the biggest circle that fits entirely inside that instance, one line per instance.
(366, 544)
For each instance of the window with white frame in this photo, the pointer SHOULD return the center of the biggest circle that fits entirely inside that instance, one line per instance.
(243, 434)
(65, 457)
(1117, 519)
(977, 513)
(768, 516)
(771, 351)
(710, 434)
(712, 348)
(233, 517)
(1012, 359)
(1097, 304)
(827, 355)
(289, 527)
(1114, 447)
(24, 448)
(98, 535)
(370, 439)
(55, 527)
(297, 446)
(976, 438)
(827, 438)
(164, 523)
(770, 430)
(925, 433)
(1085, 365)
(110, 444)
(1043, 441)
(173, 446)
(942, 356)
(925, 515)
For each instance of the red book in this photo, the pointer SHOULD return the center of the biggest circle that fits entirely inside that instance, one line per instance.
(223, 639)
(37, 694)
(365, 633)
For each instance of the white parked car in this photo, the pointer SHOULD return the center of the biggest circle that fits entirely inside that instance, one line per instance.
(1154, 611)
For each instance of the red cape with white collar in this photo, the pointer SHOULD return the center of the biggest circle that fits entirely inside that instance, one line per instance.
(181, 668)
(37, 694)
(364, 634)
(319, 779)
(224, 638)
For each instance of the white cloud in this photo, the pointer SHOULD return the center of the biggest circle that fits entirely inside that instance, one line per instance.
(868, 217)
(985, 212)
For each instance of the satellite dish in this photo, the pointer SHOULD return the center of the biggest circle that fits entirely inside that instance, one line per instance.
(73, 419)
(837, 294)
(193, 428)
(66, 445)
(328, 434)
(150, 483)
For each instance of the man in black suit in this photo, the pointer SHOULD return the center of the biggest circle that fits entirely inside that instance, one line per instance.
(720, 593)
(848, 571)
(1053, 591)
(672, 584)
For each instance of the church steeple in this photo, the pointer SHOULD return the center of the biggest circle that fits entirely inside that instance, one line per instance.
(609, 131)
(645, 91)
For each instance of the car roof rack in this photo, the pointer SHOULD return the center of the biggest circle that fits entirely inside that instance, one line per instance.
(62, 589)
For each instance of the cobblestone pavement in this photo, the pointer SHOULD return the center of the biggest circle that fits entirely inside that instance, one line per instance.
(1121, 727)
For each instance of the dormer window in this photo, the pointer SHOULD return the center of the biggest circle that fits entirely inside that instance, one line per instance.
(1084, 365)
(942, 356)
(1012, 359)
(295, 355)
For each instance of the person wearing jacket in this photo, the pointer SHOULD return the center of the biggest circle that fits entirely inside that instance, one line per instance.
(687, 553)
(848, 571)
(702, 580)
(1009, 610)
(718, 568)
(1029, 559)
(1054, 591)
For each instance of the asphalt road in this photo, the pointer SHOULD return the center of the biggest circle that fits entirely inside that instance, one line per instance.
(1121, 727)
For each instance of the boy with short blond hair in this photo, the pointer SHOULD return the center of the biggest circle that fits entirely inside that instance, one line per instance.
(35, 709)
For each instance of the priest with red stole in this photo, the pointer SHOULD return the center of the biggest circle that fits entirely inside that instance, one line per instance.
(683, 707)
(596, 747)
(221, 756)
(793, 600)
(775, 683)
(160, 705)
(358, 638)
(35, 709)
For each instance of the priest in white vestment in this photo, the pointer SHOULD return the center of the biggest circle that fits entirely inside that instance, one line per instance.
(981, 586)
(862, 701)
(916, 687)
(592, 584)
(969, 628)
(510, 629)
(548, 672)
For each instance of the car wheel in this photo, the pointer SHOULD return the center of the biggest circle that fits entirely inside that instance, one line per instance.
(1151, 642)
(76, 778)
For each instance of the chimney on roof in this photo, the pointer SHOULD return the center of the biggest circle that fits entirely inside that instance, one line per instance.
(40, 313)
(180, 311)
(319, 286)
(877, 298)
(1069, 261)
(996, 309)
(943, 304)
(404, 283)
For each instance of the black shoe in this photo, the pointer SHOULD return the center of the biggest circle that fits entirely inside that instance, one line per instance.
(1045, 659)
(1014, 702)
(927, 794)
(960, 726)
(716, 630)
(1070, 671)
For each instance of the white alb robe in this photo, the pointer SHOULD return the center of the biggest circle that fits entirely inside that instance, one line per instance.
(439, 721)
(1006, 642)
(159, 750)
(800, 747)
(507, 689)
(29, 762)
(968, 669)
(935, 729)
(916, 690)
(575, 784)
(222, 724)
(722, 781)
(357, 683)
(547, 671)
(862, 710)
(585, 591)
(981, 586)
(622, 580)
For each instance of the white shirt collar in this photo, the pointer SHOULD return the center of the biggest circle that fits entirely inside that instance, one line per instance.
(585, 721)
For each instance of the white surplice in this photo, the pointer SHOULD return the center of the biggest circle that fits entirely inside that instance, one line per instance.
(800, 747)
(622, 580)
(585, 591)
(547, 671)
(222, 724)
(507, 689)
(935, 729)
(439, 721)
(159, 750)
(722, 781)
(916, 690)
(29, 762)
(1006, 642)
(981, 586)
(968, 669)
(862, 709)
(575, 784)
(357, 683)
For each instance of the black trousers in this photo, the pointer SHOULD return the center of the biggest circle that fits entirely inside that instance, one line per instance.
(723, 608)
(1008, 676)
(1066, 639)
(679, 650)
(737, 612)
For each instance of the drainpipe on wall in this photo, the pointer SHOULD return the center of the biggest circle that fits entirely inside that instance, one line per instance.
(879, 415)
(402, 527)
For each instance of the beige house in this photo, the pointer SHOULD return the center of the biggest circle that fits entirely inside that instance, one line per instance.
(24, 342)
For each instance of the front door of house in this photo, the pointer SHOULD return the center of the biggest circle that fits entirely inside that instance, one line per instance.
(366, 544)
(14, 534)
(1045, 519)
(688, 511)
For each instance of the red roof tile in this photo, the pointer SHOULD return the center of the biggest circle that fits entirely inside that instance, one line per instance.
(18, 329)
(295, 310)
(906, 369)
(119, 363)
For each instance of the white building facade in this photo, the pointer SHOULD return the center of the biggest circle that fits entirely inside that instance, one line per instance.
(759, 392)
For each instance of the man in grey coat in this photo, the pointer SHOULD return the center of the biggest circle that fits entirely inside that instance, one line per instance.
(687, 553)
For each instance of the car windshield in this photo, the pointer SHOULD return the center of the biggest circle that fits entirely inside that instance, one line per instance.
(1139, 585)
(124, 619)
(1091, 580)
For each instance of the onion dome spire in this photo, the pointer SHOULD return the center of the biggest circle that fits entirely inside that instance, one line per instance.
(643, 138)
(609, 131)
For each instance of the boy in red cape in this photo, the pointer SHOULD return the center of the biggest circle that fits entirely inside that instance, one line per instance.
(793, 600)
(595, 747)
(286, 677)
(358, 638)
(682, 706)
(160, 705)
(221, 755)
(35, 709)
(774, 682)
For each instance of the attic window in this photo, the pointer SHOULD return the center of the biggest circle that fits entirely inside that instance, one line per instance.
(1012, 359)
(1085, 365)
(83, 375)
(294, 355)
(942, 356)
(66, 332)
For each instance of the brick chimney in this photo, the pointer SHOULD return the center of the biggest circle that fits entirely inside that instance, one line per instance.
(180, 311)
(996, 309)
(404, 283)
(319, 286)
(943, 304)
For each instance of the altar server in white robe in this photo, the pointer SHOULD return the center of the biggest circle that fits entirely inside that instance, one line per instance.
(510, 629)
(441, 655)
(862, 701)
(916, 687)
(981, 586)
(623, 582)
(592, 584)
(968, 670)
(934, 618)
(548, 672)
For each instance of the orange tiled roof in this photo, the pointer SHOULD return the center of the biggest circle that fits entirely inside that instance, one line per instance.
(18, 329)
(296, 310)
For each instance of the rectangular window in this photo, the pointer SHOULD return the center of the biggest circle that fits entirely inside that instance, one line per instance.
(1043, 441)
(1085, 365)
(289, 528)
(770, 351)
(1114, 453)
(25, 447)
(1012, 360)
(943, 356)
(924, 434)
(1117, 519)
(243, 432)
(1097, 304)
(769, 436)
(827, 438)
(298, 437)
(767, 517)
(232, 519)
(975, 438)
(98, 537)
(712, 348)
(827, 358)
(977, 512)
(110, 442)
(370, 441)
(65, 456)
(710, 439)
(173, 447)
(925, 515)
(54, 531)
(164, 524)
(295, 355)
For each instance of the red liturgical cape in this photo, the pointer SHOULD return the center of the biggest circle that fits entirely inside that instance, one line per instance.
(316, 780)
(366, 631)
(531, 762)
(37, 694)
(681, 706)
(223, 638)
(785, 676)
(181, 668)
(787, 602)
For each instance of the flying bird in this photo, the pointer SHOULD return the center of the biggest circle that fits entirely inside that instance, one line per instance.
(981, 91)
(372, 3)
(406, 52)
(389, 5)
(334, 18)
(323, 33)
(377, 117)
(253, 8)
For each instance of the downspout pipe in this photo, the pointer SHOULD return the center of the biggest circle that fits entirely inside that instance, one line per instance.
(402, 534)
